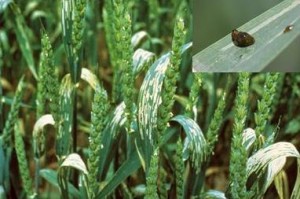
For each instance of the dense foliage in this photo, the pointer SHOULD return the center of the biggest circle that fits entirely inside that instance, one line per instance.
(98, 101)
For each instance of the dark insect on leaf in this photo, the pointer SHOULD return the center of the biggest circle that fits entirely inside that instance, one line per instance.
(288, 28)
(241, 39)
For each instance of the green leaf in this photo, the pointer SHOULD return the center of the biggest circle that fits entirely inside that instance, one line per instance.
(64, 136)
(4, 168)
(128, 167)
(270, 40)
(2, 159)
(51, 176)
(5, 157)
(22, 37)
(9, 101)
(2, 192)
(293, 126)
(116, 120)
(67, 13)
(182, 100)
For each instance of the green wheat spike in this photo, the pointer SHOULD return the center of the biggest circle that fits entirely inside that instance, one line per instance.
(279, 87)
(191, 107)
(128, 79)
(78, 26)
(117, 8)
(265, 106)
(123, 34)
(13, 114)
(151, 178)
(171, 76)
(41, 85)
(73, 16)
(179, 166)
(108, 20)
(161, 185)
(22, 162)
(238, 157)
(100, 109)
(214, 126)
(48, 85)
(51, 78)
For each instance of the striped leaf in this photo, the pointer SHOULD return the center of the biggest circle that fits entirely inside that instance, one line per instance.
(149, 101)
(272, 158)
(195, 143)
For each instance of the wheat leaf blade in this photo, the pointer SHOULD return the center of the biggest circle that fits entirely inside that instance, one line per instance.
(195, 143)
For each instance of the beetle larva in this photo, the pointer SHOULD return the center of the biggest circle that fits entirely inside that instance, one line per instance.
(241, 39)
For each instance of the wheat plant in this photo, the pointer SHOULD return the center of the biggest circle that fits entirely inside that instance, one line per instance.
(98, 100)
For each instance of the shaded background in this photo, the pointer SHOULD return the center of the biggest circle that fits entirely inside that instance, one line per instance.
(215, 19)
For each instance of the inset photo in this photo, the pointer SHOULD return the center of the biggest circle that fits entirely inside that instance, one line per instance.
(243, 36)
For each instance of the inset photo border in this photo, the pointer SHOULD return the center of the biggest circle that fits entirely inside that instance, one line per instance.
(239, 36)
